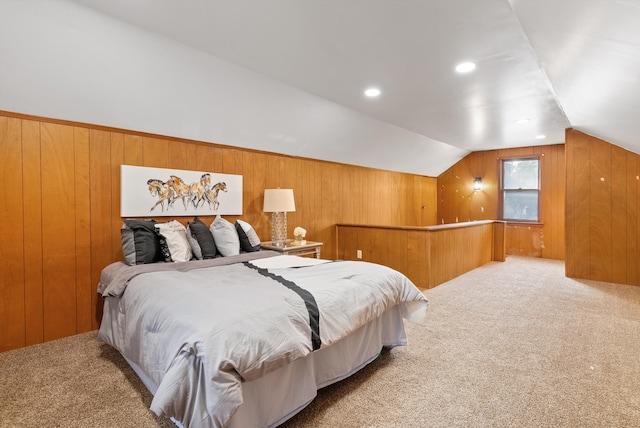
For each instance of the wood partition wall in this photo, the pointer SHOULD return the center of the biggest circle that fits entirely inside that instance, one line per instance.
(457, 202)
(603, 210)
(61, 223)
(428, 256)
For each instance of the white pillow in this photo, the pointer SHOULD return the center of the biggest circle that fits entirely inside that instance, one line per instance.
(175, 234)
(225, 236)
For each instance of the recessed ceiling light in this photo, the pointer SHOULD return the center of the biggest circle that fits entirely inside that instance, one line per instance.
(372, 92)
(541, 137)
(465, 67)
(522, 120)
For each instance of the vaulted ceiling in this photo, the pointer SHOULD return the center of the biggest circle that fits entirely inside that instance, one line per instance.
(541, 66)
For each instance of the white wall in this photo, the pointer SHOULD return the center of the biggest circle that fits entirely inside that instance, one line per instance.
(62, 60)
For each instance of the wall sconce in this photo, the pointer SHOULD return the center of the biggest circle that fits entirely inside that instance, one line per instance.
(477, 183)
(278, 202)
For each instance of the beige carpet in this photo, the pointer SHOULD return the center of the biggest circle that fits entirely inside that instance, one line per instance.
(512, 344)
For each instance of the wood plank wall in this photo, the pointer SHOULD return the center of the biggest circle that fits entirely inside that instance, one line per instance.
(603, 210)
(457, 202)
(61, 223)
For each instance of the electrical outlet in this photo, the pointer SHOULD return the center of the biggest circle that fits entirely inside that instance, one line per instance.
(359, 254)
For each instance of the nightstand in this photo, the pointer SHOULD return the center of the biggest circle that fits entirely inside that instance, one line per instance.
(293, 249)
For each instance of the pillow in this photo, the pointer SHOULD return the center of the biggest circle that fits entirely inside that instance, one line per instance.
(249, 240)
(225, 237)
(165, 254)
(175, 234)
(193, 242)
(200, 237)
(140, 243)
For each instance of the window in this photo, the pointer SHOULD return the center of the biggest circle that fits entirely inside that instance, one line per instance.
(520, 189)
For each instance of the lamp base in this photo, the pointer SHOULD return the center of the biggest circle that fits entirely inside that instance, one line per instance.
(279, 229)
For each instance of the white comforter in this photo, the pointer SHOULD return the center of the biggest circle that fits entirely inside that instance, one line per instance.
(198, 334)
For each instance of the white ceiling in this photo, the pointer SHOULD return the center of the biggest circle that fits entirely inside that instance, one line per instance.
(558, 63)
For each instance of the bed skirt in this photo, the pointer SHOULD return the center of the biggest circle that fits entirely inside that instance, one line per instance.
(276, 397)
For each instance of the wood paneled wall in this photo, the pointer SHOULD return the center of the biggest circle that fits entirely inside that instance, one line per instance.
(525, 239)
(457, 202)
(603, 210)
(61, 223)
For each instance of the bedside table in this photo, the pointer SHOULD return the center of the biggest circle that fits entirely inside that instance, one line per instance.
(293, 249)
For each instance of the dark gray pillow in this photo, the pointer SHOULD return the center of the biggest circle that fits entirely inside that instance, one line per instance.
(249, 240)
(202, 235)
(193, 242)
(140, 243)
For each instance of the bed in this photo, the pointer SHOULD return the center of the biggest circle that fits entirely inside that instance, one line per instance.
(247, 340)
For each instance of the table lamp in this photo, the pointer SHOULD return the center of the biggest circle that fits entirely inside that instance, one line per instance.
(278, 202)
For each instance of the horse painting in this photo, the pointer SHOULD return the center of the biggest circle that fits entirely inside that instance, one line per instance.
(197, 190)
(160, 189)
(195, 194)
(180, 190)
(211, 196)
(155, 191)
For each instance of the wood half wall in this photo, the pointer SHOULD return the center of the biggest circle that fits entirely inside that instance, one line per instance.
(603, 210)
(61, 223)
(428, 256)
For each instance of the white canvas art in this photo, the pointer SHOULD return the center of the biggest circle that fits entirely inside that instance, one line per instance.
(173, 192)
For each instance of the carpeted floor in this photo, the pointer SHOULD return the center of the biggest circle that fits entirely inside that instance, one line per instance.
(72, 382)
(512, 344)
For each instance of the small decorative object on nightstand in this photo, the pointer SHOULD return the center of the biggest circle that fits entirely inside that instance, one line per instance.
(299, 233)
(293, 249)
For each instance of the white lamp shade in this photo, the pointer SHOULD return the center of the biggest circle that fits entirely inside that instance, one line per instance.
(279, 200)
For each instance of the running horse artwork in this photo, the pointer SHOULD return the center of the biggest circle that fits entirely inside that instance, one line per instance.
(197, 190)
(159, 189)
(170, 192)
(197, 193)
(212, 195)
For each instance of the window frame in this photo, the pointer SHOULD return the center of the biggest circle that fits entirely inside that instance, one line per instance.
(503, 190)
